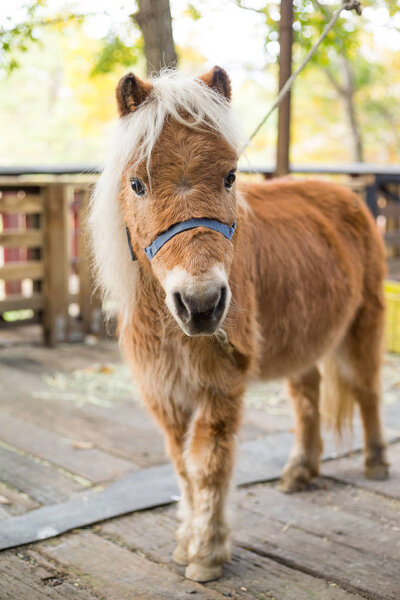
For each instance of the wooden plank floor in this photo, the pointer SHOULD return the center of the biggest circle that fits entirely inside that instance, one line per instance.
(70, 420)
(336, 541)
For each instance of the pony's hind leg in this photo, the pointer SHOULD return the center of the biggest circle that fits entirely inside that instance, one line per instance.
(304, 459)
(363, 351)
(209, 459)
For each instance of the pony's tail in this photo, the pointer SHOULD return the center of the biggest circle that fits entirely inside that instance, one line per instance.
(336, 397)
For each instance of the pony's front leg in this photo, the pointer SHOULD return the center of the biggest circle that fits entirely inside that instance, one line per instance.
(209, 460)
(185, 506)
(175, 424)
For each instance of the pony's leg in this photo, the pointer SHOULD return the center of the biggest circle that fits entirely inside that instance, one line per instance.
(175, 424)
(304, 459)
(363, 351)
(175, 443)
(209, 459)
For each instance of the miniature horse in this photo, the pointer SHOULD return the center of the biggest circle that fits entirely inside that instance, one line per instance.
(217, 282)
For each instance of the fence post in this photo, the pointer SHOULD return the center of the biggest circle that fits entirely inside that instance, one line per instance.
(56, 261)
(90, 304)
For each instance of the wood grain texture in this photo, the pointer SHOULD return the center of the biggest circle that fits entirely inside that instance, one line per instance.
(32, 269)
(348, 549)
(116, 573)
(17, 302)
(21, 202)
(249, 575)
(93, 464)
(13, 501)
(56, 256)
(349, 469)
(123, 429)
(40, 482)
(143, 489)
(148, 487)
(29, 238)
(26, 576)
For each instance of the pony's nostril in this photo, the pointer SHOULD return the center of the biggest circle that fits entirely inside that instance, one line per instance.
(181, 307)
(220, 306)
(222, 299)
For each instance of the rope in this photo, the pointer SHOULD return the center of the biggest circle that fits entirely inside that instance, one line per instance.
(346, 5)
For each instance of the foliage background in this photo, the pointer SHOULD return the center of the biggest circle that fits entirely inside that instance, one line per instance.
(61, 60)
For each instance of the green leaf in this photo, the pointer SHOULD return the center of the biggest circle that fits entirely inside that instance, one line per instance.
(114, 52)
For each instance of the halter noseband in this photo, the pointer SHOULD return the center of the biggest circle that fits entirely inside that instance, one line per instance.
(164, 237)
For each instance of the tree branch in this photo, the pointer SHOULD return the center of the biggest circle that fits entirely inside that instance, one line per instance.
(259, 11)
(45, 22)
(332, 79)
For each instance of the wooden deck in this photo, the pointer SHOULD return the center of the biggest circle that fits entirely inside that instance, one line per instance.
(71, 423)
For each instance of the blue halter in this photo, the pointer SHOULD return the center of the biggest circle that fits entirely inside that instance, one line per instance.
(164, 237)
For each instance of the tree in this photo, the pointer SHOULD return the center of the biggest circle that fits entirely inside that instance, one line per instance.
(16, 38)
(339, 56)
(341, 74)
(153, 18)
(285, 66)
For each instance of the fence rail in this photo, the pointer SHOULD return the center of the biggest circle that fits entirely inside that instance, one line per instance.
(44, 259)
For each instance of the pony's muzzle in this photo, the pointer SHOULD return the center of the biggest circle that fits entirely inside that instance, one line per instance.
(201, 314)
(198, 302)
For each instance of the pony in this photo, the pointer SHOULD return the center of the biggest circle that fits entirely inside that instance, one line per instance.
(217, 282)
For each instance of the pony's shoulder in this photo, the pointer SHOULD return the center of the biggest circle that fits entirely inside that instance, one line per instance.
(289, 191)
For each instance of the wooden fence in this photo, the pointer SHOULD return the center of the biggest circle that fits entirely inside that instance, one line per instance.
(45, 274)
(52, 268)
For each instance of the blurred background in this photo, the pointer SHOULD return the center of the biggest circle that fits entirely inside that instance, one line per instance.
(60, 61)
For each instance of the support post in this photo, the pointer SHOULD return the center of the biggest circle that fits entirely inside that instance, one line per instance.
(371, 196)
(90, 304)
(285, 69)
(56, 260)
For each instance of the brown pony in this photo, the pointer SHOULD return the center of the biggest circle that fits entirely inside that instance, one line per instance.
(296, 293)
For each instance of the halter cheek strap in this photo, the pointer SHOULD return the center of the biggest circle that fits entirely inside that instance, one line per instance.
(164, 237)
(131, 250)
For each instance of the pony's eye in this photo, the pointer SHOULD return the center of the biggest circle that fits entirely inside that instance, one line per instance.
(230, 179)
(138, 186)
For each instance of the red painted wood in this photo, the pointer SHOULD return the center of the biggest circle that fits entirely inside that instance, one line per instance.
(13, 254)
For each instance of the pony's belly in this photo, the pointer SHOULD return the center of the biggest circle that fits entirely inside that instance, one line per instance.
(287, 364)
(294, 349)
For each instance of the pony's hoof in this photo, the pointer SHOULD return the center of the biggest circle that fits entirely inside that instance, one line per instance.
(295, 479)
(201, 573)
(180, 556)
(377, 470)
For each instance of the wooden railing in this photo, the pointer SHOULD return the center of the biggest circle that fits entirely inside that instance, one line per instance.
(53, 271)
(48, 280)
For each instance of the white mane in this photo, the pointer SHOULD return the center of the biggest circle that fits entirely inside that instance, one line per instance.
(134, 138)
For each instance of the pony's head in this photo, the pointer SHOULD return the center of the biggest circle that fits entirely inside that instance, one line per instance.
(170, 182)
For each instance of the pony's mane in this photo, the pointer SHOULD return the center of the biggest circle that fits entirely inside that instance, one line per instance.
(192, 103)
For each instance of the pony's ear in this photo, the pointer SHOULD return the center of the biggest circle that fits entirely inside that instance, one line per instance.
(218, 80)
(131, 92)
